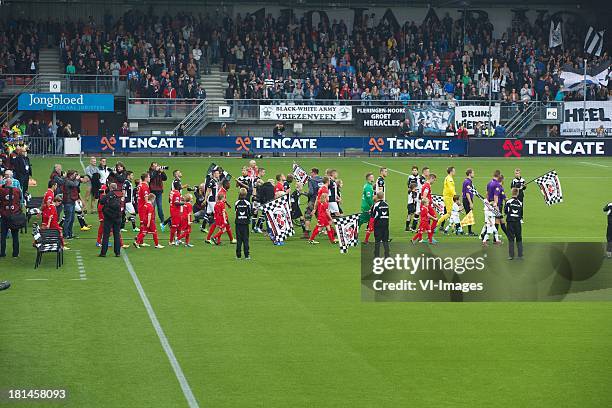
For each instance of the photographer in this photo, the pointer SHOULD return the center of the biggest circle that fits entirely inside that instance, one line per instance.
(158, 176)
(70, 194)
(112, 210)
(118, 175)
(11, 217)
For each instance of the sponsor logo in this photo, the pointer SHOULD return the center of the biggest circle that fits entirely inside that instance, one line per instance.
(512, 148)
(108, 143)
(243, 143)
(564, 148)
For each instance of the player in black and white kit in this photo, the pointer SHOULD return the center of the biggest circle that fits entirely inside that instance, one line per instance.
(246, 182)
(333, 198)
(130, 197)
(414, 191)
(212, 187)
(519, 183)
(257, 181)
(380, 181)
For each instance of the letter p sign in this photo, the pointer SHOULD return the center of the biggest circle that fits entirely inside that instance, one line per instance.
(224, 111)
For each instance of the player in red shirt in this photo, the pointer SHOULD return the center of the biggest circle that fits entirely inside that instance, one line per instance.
(221, 223)
(253, 171)
(50, 217)
(426, 220)
(426, 193)
(147, 223)
(280, 184)
(176, 213)
(323, 220)
(186, 220)
(50, 193)
(143, 192)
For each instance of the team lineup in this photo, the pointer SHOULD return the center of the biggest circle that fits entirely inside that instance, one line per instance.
(119, 198)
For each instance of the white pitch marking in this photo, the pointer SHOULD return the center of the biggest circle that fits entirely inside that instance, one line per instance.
(37, 279)
(388, 168)
(594, 164)
(178, 371)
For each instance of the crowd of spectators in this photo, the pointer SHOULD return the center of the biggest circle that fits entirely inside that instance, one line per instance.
(274, 58)
(159, 57)
(20, 42)
(375, 62)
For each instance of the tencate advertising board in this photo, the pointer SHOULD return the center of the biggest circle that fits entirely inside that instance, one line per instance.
(513, 148)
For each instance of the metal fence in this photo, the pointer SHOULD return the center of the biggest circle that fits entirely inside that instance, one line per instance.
(171, 110)
(17, 83)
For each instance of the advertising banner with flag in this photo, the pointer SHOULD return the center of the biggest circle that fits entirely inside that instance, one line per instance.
(347, 231)
(550, 186)
(300, 174)
(278, 216)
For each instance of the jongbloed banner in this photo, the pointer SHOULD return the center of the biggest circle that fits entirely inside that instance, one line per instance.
(66, 102)
(466, 271)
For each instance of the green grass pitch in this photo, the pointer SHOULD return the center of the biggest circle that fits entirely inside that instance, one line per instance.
(289, 329)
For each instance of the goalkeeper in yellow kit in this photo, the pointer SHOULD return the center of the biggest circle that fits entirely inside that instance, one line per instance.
(448, 192)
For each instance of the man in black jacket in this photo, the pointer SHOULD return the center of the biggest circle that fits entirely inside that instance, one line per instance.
(243, 219)
(22, 168)
(10, 205)
(111, 208)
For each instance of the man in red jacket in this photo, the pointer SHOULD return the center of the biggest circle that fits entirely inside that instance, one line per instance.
(170, 95)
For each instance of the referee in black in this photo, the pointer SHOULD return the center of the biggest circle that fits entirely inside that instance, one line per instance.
(243, 219)
(514, 213)
(380, 212)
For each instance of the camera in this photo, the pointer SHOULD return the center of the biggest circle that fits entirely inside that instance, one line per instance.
(164, 167)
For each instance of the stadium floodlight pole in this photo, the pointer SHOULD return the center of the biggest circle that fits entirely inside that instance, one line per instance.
(490, 89)
(584, 89)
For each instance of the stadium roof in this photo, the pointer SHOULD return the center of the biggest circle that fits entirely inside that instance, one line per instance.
(336, 3)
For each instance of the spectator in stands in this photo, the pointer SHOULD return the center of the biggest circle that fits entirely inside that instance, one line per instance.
(279, 130)
(462, 132)
(404, 129)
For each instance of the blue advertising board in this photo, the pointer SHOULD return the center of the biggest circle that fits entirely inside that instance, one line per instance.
(247, 144)
(66, 102)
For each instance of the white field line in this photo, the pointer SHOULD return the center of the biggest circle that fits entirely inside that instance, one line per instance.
(80, 265)
(180, 376)
(594, 164)
(178, 371)
(388, 168)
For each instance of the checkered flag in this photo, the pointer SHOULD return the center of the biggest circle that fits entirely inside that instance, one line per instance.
(486, 203)
(347, 231)
(550, 186)
(278, 216)
(300, 174)
(438, 203)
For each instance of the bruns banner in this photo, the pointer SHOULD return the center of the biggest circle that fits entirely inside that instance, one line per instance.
(66, 102)
(245, 144)
(514, 148)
